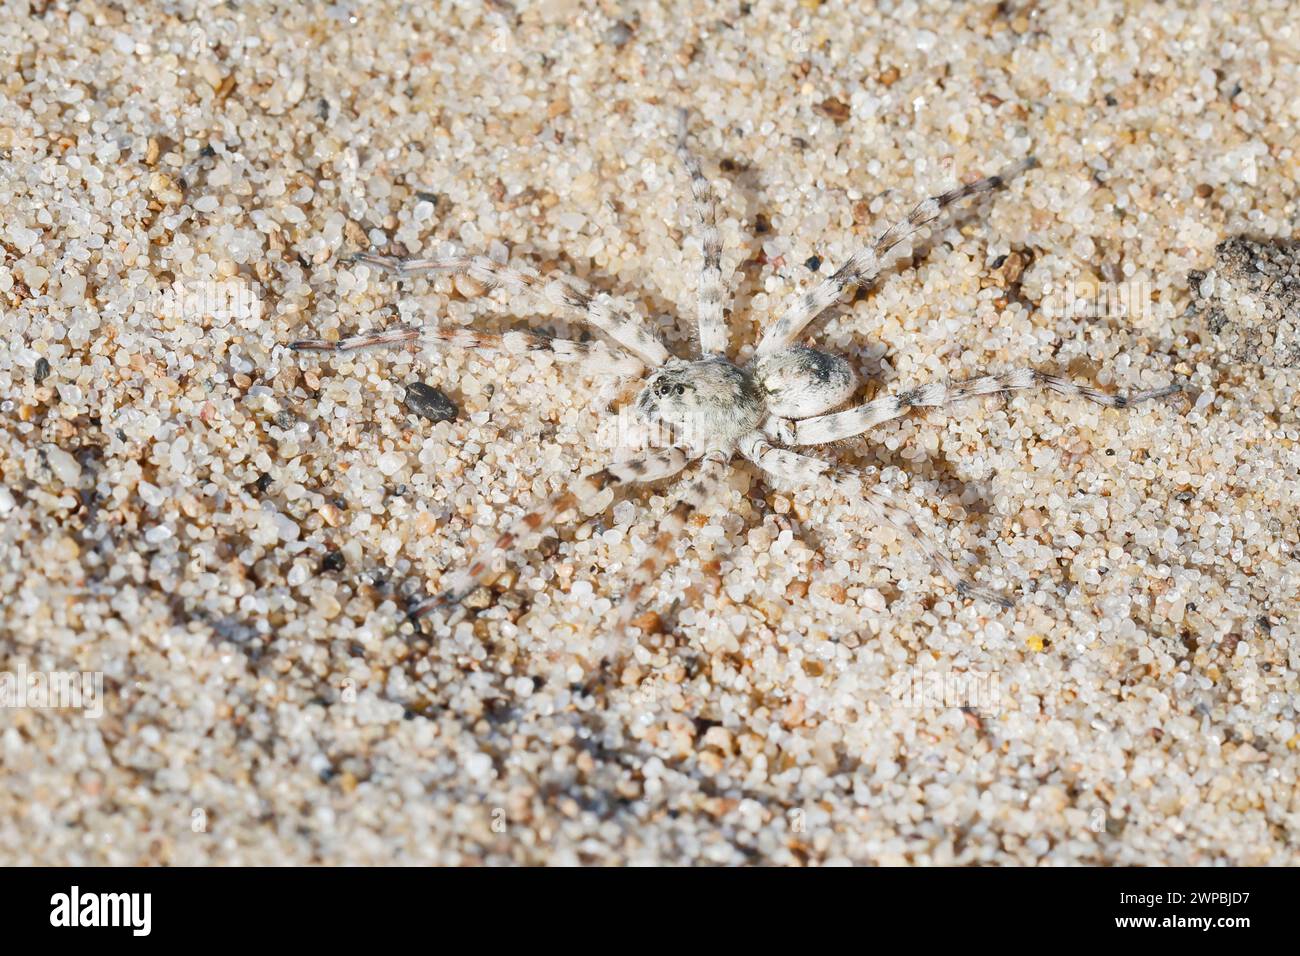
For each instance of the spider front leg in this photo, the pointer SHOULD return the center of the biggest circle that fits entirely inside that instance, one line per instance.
(864, 266)
(797, 469)
(712, 328)
(855, 421)
(593, 308)
(650, 467)
(389, 338)
(594, 357)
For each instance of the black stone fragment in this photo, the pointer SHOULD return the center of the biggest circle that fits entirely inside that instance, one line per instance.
(428, 402)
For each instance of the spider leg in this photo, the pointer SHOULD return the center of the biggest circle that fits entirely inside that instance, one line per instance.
(854, 421)
(694, 497)
(596, 309)
(863, 266)
(795, 468)
(712, 329)
(593, 356)
(355, 343)
(649, 467)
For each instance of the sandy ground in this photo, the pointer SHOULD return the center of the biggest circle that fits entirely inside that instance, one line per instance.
(229, 533)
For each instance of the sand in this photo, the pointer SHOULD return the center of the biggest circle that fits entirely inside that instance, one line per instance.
(229, 533)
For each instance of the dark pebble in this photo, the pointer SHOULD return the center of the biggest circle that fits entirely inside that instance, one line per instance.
(428, 402)
(813, 263)
(619, 33)
(334, 561)
(42, 369)
(837, 110)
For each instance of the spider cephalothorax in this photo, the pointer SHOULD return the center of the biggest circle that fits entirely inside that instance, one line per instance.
(713, 408)
(710, 401)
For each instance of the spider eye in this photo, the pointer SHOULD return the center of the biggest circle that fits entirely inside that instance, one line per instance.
(681, 389)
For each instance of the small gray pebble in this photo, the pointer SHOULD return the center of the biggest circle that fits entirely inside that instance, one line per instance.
(42, 369)
(619, 33)
(428, 402)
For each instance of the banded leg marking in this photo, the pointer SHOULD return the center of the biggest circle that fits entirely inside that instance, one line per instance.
(855, 421)
(595, 309)
(712, 329)
(862, 267)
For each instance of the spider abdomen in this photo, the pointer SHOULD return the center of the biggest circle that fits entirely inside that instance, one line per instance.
(798, 382)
